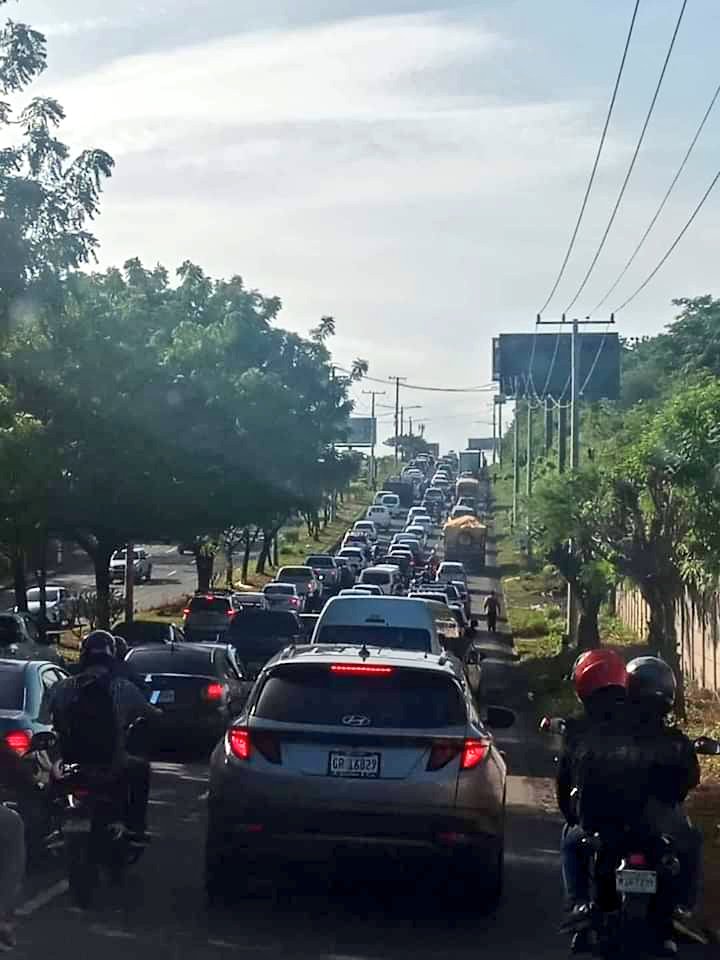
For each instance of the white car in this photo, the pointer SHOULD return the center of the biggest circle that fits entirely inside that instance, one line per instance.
(354, 558)
(142, 565)
(368, 528)
(423, 520)
(418, 531)
(393, 622)
(61, 606)
(380, 516)
(386, 576)
(449, 571)
(392, 502)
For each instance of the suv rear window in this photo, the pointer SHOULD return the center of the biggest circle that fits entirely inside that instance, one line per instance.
(408, 699)
(394, 638)
(320, 561)
(295, 573)
(380, 577)
(209, 605)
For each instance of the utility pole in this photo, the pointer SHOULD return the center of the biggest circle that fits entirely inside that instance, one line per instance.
(575, 374)
(516, 457)
(500, 402)
(494, 452)
(397, 381)
(129, 582)
(548, 425)
(528, 465)
(562, 437)
(402, 421)
(373, 470)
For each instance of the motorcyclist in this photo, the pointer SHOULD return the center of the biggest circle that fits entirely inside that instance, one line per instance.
(586, 795)
(673, 771)
(98, 663)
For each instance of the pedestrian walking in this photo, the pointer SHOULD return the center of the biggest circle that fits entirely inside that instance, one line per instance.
(492, 609)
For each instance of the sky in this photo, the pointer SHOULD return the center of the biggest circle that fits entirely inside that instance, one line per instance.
(412, 168)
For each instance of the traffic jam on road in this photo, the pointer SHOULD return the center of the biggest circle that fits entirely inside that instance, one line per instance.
(346, 715)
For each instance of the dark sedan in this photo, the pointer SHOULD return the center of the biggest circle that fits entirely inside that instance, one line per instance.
(198, 686)
(257, 635)
(139, 633)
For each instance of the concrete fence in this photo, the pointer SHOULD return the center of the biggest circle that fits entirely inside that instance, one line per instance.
(698, 631)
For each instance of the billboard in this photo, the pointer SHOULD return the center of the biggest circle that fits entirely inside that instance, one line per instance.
(361, 432)
(480, 443)
(539, 364)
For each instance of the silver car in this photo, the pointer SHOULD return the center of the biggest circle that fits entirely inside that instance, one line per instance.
(343, 747)
(282, 596)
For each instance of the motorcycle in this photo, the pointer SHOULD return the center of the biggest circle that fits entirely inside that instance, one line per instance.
(632, 881)
(90, 807)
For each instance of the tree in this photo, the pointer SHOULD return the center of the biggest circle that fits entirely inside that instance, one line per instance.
(46, 198)
(665, 508)
(567, 516)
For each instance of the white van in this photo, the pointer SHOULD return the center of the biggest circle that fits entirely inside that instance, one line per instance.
(395, 622)
(392, 502)
(380, 516)
(387, 576)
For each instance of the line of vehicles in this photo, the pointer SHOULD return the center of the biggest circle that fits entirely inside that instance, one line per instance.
(343, 701)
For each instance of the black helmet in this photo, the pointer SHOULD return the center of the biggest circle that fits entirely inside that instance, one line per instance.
(651, 682)
(98, 647)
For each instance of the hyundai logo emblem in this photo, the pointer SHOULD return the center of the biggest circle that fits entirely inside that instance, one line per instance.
(356, 720)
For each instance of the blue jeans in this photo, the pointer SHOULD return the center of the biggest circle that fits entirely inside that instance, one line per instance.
(575, 860)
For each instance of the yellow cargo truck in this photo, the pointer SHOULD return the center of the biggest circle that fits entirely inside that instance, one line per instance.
(465, 541)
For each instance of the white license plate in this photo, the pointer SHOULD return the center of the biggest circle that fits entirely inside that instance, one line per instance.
(162, 696)
(76, 826)
(363, 765)
(636, 881)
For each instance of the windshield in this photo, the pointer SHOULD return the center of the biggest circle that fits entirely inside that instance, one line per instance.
(320, 562)
(375, 635)
(122, 555)
(295, 573)
(280, 588)
(406, 700)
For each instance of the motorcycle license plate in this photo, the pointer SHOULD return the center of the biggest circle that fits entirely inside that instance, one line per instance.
(79, 825)
(636, 881)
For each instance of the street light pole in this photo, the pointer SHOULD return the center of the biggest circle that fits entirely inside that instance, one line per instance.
(373, 471)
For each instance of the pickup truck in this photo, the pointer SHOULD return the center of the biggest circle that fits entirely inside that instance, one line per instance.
(326, 571)
(142, 565)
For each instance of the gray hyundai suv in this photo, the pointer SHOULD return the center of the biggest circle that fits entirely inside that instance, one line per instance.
(342, 747)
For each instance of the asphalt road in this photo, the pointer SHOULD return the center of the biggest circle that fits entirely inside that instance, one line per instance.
(173, 576)
(368, 909)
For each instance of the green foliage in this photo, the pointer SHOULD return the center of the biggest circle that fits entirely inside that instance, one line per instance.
(46, 197)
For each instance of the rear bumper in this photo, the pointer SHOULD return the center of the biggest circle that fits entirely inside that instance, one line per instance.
(301, 835)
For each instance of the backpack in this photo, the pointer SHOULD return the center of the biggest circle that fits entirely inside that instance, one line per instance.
(89, 726)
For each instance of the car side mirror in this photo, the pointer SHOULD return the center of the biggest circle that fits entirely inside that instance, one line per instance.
(43, 742)
(499, 718)
(707, 746)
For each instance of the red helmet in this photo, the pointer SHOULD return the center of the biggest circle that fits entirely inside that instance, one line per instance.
(597, 670)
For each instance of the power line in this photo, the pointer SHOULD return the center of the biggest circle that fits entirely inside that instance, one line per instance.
(596, 359)
(597, 160)
(413, 386)
(672, 246)
(664, 200)
(636, 152)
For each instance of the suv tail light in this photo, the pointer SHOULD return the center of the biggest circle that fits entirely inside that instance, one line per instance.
(238, 739)
(442, 753)
(474, 752)
(18, 741)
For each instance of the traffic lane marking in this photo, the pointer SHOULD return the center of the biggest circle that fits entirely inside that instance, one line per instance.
(43, 898)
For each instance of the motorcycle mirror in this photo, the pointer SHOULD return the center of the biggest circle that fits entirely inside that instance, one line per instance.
(707, 746)
(553, 725)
